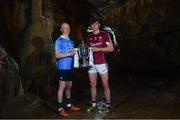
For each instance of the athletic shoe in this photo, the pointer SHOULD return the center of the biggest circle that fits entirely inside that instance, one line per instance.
(75, 108)
(63, 113)
(91, 109)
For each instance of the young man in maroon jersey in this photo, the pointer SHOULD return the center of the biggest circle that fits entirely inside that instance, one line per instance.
(101, 43)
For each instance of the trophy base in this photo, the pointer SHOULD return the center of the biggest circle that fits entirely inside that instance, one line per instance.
(84, 65)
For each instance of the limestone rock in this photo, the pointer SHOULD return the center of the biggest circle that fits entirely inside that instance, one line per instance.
(10, 80)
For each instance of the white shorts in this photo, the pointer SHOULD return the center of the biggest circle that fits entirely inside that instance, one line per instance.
(100, 68)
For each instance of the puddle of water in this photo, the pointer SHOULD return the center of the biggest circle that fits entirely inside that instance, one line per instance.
(101, 111)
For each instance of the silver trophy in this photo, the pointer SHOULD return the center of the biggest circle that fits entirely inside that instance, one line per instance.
(83, 54)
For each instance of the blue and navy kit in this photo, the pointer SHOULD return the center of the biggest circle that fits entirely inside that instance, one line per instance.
(64, 45)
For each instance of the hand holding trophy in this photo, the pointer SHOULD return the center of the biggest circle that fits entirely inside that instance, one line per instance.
(84, 56)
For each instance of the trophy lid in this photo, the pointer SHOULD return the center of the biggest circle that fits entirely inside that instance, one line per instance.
(83, 44)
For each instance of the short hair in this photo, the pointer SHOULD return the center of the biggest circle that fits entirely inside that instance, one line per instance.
(93, 20)
(63, 24)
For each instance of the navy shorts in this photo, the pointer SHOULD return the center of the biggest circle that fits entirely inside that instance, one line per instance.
(64, 75)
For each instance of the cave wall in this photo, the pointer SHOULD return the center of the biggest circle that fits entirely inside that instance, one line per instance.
(10, 80)
(136, 23)
(147, 30)
(14, 18)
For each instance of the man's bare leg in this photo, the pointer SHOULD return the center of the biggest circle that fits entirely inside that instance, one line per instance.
(62, 86)
(68, 89)
(68, 93)
(68, 97)
(105, 83)
(93, 83)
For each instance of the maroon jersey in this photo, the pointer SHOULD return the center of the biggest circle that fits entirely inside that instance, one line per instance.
(98, 40)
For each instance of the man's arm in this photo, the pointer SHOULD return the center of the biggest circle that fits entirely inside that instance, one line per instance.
(108, 48)
(62, 55)
(109, 45)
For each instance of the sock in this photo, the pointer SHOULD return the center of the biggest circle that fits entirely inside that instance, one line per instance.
(108, 103)
(94, 103)
(60, 106)
(68, 101)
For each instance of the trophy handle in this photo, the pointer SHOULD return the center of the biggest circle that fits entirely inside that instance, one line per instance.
(78, 51)
(88, 54)
(91, 59)
(89, 50)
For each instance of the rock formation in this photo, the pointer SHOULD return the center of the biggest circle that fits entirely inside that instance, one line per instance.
(10, 79)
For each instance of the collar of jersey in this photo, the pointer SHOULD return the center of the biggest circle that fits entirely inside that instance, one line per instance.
(67, 38)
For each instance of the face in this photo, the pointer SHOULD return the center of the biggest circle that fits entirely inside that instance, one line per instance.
(95, 26)
(65, 28)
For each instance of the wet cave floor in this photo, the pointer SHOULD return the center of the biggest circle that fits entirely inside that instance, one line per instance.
(133, 96)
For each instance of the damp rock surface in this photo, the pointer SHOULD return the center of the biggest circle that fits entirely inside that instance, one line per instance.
(144, 75)
(131, 98)
(10, 79)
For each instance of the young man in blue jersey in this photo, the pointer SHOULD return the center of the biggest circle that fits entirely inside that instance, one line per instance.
(64, 52)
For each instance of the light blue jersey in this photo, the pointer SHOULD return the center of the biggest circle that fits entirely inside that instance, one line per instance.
(64, 45)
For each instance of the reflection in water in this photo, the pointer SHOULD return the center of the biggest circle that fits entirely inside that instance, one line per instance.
(101, 111)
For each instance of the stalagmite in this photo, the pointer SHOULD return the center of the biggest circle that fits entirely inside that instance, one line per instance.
(37, 54)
